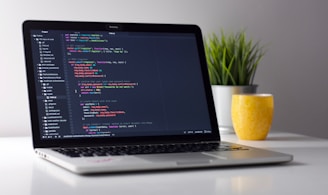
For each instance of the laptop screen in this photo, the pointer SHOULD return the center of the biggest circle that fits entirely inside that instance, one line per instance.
(116, 82)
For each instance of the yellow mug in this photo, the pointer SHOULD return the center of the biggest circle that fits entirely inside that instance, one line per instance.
(252, 115)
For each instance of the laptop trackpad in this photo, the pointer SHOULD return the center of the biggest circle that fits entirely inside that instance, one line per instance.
(180, 158)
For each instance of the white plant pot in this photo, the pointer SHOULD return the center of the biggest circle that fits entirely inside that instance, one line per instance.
(222, 95)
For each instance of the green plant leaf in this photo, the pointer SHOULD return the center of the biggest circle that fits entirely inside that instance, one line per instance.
(232, 59)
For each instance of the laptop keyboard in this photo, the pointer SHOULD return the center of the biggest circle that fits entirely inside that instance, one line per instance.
(147, 149)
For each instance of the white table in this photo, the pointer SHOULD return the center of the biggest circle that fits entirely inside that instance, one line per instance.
(21, 172)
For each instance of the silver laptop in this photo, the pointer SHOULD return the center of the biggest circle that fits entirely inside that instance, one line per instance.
(113, 97)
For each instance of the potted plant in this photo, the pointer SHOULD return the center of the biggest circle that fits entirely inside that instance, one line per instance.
(232, 62)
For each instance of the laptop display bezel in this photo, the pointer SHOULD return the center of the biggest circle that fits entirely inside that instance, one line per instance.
(61, 25)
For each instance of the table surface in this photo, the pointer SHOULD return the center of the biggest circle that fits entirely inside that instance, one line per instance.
(21, 172)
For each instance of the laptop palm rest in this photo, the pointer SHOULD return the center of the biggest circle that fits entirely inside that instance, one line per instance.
(181, 158)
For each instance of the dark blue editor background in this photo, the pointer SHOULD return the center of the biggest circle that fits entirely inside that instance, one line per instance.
(153, 79)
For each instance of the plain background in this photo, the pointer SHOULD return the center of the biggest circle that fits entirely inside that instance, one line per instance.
(293, 69)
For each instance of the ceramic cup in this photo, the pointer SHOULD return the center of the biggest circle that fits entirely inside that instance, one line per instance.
(252, 115)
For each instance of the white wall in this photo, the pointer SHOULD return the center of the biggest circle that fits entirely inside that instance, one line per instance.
(294, 69)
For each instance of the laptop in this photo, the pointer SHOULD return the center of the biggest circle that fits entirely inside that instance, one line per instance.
(116, 97)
